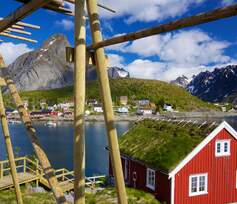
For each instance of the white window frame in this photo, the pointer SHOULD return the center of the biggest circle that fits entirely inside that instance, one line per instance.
(222, 145)
(148, 185)
(198, 183)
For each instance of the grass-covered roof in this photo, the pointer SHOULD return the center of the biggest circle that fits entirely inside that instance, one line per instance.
(162, 144)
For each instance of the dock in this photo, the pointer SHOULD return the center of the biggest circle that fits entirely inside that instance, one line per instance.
(29, 170)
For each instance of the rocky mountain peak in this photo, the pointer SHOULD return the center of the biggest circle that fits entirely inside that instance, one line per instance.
(182, 81)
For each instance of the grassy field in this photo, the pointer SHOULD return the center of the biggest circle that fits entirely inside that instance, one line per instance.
(157, 91)
(107, 196)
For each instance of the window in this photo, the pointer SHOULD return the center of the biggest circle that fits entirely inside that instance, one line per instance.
(222, 148)
(197, 184)
(150, 178)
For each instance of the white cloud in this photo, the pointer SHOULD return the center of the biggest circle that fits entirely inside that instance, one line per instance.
(115, 60)
(11, 51)
(65, 24)
(227, 2)
(184, 52)
(147, 10)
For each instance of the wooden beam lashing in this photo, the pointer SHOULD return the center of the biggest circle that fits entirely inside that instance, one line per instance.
(18, 37)
(175, 25)
(21, 12)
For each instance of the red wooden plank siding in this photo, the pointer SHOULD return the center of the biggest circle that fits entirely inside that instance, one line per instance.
(221, 175)
(162, 190)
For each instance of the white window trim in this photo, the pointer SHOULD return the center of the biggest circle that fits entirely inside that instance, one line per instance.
(147, 184)
(190, 185)
(222, 153)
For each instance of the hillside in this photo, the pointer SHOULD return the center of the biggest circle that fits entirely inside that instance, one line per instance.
(157, 91)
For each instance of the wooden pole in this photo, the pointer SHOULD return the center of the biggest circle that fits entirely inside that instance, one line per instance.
(9, 148)
(175, 25)
(18, 31)
(107, 101)
(18, 37)
(48, 170)
(79, 101)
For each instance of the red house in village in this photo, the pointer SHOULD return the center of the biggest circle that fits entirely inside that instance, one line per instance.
(182, 162)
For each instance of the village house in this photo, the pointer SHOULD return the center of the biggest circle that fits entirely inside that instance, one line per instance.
(144, 111)
(122, 110)
(181, 162)
(123, 100)
(168, 107)
(98, 108)
(92, 102)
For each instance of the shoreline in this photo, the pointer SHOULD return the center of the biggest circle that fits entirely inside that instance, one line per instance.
(133, 118)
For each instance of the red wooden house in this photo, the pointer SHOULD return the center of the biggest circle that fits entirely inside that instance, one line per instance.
(182, 162)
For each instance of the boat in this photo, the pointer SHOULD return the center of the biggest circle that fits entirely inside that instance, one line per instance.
(51, 124)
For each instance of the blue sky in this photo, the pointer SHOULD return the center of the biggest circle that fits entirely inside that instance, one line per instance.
(164, 57)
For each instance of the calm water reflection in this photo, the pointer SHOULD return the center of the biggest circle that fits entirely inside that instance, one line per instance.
(58, 143)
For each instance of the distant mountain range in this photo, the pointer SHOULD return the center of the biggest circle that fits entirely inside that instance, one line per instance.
(218, 85)
(46, 67)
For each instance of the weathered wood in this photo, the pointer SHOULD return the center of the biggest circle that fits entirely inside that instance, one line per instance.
(79, 101)
(18, 37)
(28, 25)
(10, 154)
(19, 31)
(18, 27)
(175, 25)
(21, 12)
(107, 101)
(48, 170)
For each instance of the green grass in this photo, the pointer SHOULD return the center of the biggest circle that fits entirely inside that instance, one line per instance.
(157, 91)
(161, 145)
(107, 196)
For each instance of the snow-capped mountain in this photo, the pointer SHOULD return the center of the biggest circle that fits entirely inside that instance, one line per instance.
(182, 81)
(46, 67)
(216, 86)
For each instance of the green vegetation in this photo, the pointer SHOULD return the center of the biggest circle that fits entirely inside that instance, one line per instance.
(156, 91)
(161, 144)
(107, 196)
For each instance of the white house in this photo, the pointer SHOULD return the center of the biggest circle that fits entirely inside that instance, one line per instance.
(168, 107)
(122, 110)
(98, 109)
(144, 111)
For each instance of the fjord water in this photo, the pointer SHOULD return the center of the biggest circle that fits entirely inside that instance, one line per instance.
(58, 144)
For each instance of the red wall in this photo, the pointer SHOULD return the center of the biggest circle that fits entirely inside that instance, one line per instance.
(162, 191)
(221, 175)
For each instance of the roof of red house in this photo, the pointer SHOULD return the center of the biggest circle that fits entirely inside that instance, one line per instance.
(163, 144)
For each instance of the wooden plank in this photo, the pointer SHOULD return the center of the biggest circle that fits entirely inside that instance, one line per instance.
(175, 25)
(19, 31)
(18, 37)
(21, 12)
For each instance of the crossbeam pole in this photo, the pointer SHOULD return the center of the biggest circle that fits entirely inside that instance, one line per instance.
(17, 37)
(175, 25)
(7, 139)
(107, 101)
(21, 12)
(79, 101)
(47, 168)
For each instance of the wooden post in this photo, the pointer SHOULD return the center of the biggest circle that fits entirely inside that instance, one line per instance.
(48, 170)
(107, 101)
(79, 101)
(8, 144)
(24, 165)
(1, 170)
